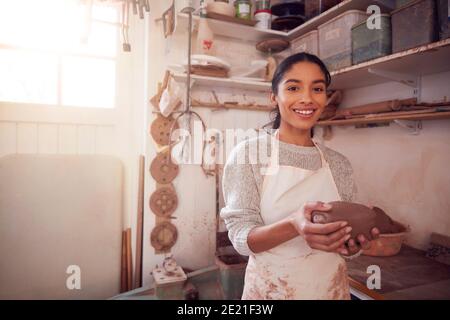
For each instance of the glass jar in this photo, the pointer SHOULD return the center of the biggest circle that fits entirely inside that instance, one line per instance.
(243, 9)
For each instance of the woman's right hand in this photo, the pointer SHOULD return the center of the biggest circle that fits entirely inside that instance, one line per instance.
(329, 237)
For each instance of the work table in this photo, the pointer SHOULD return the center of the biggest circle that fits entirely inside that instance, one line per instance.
(408, 275)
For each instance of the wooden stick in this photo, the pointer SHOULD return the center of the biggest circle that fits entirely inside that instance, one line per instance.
(387, 118)
(139, 227)
(123, 269)
(231, 105)
(129, 262)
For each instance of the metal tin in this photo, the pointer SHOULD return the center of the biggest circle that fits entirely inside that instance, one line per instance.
(443, 8)
(315, 7)
(414, 25)
(368, 44)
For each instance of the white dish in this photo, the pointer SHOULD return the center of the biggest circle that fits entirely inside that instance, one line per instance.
(248, 79)
(205, 60)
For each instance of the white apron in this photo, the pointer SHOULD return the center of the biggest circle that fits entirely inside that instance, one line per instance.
(293, 270)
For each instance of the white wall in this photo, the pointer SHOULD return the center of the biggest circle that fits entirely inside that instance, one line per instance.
(407, 175)
(196, 213)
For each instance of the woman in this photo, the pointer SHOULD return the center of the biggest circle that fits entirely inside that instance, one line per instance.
(269, 216)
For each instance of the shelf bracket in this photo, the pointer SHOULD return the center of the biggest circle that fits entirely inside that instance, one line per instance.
(410, 80)
(414, 127)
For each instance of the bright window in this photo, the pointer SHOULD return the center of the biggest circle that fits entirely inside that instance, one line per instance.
(59, 52)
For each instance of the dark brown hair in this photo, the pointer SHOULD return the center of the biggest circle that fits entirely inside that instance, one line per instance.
(284, 67)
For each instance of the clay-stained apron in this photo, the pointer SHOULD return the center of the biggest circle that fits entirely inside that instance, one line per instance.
(293, 270)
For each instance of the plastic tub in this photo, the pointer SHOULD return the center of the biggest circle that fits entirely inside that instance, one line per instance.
(368, 44)
(335, 41)
(315, 7)
(443, 8)
(306, 43)
(414, 25)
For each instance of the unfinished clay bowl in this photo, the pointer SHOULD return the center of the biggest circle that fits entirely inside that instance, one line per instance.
(361, 218)
(387, 244)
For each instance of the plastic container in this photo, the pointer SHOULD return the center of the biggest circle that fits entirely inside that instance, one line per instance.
(307, 43)
(368, 44)
(315, 7)
(414, 25)
(335, 41)
(263, 19)
(443, 8)
(243, 9)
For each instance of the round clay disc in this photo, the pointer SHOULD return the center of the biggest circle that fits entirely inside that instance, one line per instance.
(272, 45)
(164, 236)
(162, 169)
(160, 129)
(164, 202)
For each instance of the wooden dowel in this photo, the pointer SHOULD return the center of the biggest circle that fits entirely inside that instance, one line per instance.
(123, 269)
(129, 262)
(139, 227)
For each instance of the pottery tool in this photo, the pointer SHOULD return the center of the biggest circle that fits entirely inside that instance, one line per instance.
(186, 117)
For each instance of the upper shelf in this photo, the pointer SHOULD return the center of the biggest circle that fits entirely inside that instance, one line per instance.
(225, 82)
(423, 60)
(385, 6)
(230, 29)
(249, 33)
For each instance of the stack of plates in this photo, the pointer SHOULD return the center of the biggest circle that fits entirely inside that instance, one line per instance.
(290, 15)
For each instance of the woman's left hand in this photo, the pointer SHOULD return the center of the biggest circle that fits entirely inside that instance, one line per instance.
(354, 247)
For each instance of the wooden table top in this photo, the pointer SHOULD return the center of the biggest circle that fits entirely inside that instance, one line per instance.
(408, 275)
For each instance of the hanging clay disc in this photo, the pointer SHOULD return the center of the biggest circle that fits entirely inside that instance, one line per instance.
(162, 169)
(164, 236)
(164, 202)
(160, 129)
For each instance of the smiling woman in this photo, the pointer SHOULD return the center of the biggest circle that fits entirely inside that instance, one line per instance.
(58, 52)
(269, 217)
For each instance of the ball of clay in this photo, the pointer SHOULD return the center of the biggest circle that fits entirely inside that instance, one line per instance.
(361, 218)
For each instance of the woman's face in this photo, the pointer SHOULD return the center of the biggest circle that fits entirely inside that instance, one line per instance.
(301, 96)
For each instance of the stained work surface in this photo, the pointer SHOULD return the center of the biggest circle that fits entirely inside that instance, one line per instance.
(408, 275)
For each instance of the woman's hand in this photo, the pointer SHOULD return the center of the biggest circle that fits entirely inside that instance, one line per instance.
(330, 237)
(362, 243)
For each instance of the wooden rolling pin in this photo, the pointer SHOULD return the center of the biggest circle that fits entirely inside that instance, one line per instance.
(378, 107)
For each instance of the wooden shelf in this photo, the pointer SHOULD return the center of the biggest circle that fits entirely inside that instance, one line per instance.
(225, 82)
(231, 30)
(384, 119)
(385, 5)
(249, 33)
(420, 61)
(423, 60)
